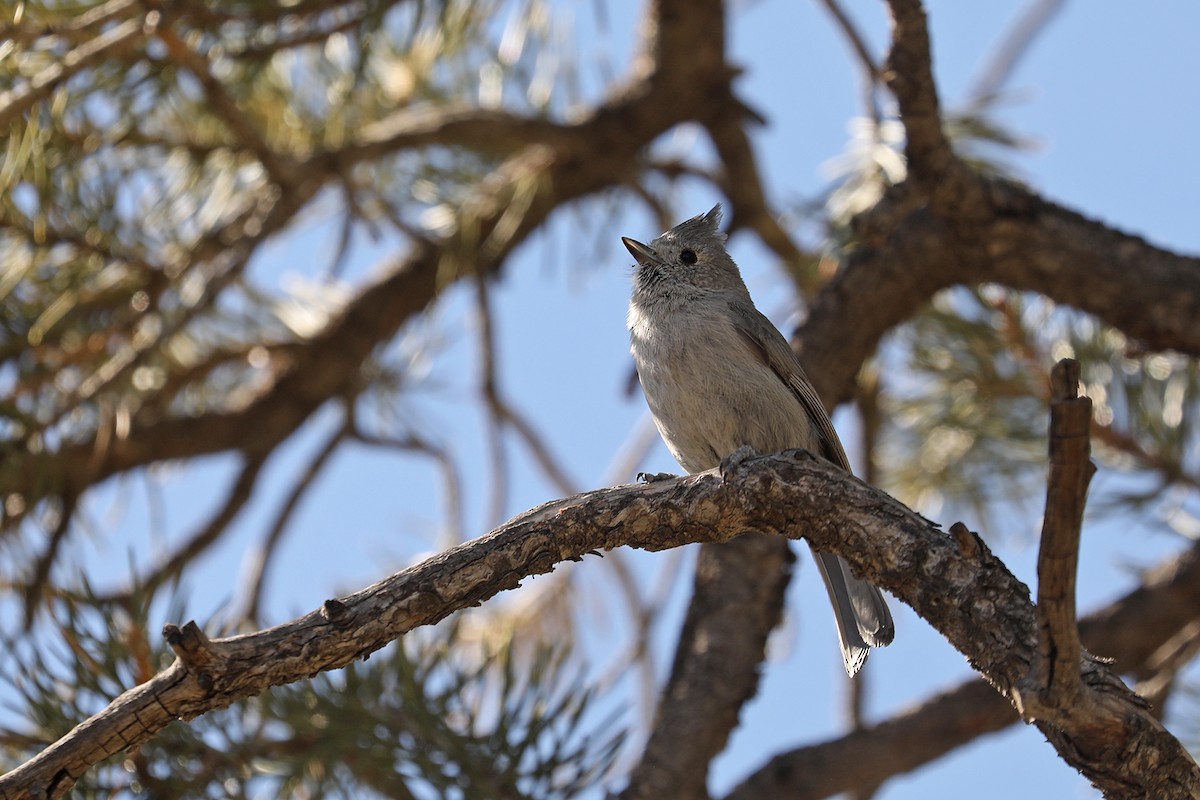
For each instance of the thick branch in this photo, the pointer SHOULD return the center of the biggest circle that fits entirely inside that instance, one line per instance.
(955, 584)
(876, 753)
(1002, 233)
(737, 601)
(1132, 631)
(910, 77)
(949, 225)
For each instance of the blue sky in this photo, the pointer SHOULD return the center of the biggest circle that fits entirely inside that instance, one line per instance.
(1109, 96)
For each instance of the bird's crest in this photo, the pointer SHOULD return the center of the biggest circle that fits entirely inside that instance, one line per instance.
(700, 226)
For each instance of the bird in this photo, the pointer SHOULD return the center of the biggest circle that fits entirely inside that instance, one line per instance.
(719, 377)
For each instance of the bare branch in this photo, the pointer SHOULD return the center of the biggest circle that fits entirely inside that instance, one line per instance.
(875, 753)
(1167, 662)
(40, 581)
(871, 74)
(673, 86)
(643, 612)
(1058, 557)
(857, 43)
(1136, 632)
(742, 183)
(259, 560)
(968, 595)
(948, 225)
(910, 77)
(1000, 233)
(503, 413)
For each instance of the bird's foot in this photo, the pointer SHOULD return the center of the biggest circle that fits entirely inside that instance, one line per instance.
(735, 459)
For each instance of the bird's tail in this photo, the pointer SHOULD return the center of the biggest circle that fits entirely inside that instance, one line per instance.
(863, 619)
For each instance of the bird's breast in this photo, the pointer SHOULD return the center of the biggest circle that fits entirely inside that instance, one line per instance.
(708, 391)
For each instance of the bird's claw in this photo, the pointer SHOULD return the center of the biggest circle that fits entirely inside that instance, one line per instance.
(735, 459)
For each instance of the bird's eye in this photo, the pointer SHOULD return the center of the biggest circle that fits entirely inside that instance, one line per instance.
(688, 257)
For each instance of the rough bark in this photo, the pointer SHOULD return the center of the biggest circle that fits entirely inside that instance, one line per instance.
(954, 582)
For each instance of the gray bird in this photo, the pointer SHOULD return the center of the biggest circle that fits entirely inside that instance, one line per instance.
(719, 376)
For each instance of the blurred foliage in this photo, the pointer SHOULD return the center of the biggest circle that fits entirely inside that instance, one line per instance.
(963, 386)
(121, 189)
(872, 160)
(966, 418)
(981, 139)
(136, 196)
(435, 715)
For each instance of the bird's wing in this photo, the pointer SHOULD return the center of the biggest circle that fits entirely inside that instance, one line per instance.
(863, 619)
(769, 345)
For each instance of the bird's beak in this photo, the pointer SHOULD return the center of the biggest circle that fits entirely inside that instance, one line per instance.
(643, 253)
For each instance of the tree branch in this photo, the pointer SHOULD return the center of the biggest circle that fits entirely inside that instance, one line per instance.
(910, 77)
(239, 494)
(741, 180)
(737, 600)
(1070, 472)
(1001, 233)
(244, 130)
(1133, 631)
(258, 560)
(949, 225)
(954, 583)
(876, 753)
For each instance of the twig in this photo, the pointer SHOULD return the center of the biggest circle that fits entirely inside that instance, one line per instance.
(502, 412)
(497, 454)
(1171, 470)
(223, 269)
(283, 170)
(40, 580)
(1012, 48)
(1071, 470)
(1167, 662)
(239, 495)
(742, 182)
(451, 482)
(74, 24)
(854, 37)
(259, 560)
